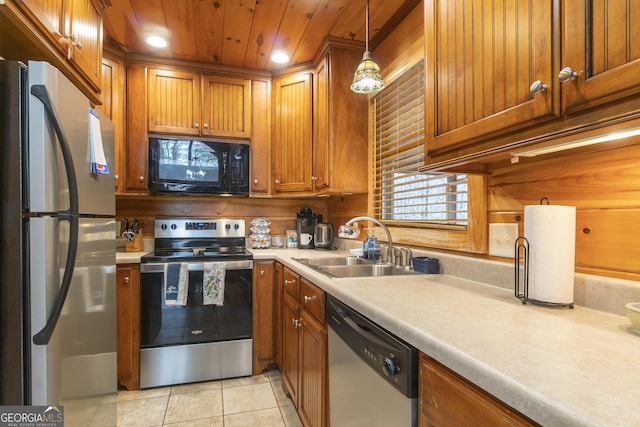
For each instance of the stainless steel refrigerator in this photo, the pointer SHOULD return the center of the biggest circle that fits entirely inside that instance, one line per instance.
(57, 277)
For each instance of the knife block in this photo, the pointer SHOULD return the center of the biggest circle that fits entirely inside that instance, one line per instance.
(136, 246)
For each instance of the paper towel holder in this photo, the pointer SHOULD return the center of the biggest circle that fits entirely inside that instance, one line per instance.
(522, 254)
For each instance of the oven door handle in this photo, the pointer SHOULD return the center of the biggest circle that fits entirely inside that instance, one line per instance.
(158, 267)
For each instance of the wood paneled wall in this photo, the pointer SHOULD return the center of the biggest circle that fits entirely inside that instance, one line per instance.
(281, 212)
(604, 187)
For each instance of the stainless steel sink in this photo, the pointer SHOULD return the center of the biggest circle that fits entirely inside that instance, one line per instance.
(319, 262)
(337, 267)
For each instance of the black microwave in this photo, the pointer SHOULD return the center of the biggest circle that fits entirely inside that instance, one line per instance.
(198, 166)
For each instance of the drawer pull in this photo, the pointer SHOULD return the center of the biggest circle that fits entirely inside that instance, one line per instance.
(288, 282)
(307, 298)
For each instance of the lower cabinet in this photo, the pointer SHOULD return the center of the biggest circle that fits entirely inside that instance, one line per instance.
(446, 399)
(264, 315)
(304, 336)
(128, 325)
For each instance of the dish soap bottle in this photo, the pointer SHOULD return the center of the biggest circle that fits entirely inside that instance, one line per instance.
(365, 245)
(374, 248)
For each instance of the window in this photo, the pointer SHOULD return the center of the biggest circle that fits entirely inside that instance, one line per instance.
(401, 193)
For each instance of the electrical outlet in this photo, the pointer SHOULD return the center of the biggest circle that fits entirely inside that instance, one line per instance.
(502, 238)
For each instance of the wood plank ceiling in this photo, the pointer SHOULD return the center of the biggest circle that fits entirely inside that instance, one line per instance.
(242, 33)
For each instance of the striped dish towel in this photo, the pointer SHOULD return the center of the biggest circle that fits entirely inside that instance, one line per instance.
(213, 283)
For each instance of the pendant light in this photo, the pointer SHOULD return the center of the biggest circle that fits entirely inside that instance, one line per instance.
(367, 78)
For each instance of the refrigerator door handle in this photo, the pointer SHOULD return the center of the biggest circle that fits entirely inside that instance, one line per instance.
(71, 215)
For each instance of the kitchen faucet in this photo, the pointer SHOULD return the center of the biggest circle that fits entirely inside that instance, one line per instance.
(384, 227)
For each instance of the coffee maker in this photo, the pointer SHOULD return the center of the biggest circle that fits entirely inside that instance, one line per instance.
(306, 227)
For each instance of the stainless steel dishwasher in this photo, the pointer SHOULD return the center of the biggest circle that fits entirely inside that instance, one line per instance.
(373, 375)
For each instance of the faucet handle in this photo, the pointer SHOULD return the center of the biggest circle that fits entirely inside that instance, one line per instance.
(407, 256)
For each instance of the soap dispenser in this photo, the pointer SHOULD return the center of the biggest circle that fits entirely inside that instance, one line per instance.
(365, 245)
(374, 248)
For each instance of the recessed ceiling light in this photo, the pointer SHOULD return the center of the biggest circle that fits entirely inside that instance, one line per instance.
(156, 41)
(279, 56)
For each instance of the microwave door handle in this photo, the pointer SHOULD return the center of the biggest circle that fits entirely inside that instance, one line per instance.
(71, 215)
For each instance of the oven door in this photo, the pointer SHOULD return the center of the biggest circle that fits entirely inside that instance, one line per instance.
(168, 325)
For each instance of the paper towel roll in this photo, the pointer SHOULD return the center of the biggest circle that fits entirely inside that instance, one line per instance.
(551, 232)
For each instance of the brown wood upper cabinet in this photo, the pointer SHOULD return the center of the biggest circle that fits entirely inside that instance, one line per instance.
(187, 103)
(480, 64)
(320, 128)
(601, 45)
(501, 75)
(339, 125)
(68, 34)
(292, 126)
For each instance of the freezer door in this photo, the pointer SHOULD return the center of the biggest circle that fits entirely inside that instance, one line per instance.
(48, 187)
(77, 368)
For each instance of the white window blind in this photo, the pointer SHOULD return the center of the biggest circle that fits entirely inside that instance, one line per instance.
(401, 193)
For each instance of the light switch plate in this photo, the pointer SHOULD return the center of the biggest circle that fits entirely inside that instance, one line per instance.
(502, 238)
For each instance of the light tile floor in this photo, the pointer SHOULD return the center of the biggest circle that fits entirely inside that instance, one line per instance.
(251, 401)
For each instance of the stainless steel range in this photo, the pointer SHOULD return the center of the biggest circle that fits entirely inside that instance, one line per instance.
(195, 302)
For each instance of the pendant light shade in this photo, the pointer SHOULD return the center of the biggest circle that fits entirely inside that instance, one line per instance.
(367, 78)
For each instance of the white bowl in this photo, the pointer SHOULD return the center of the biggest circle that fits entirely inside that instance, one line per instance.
(632, 310)
(357, 252)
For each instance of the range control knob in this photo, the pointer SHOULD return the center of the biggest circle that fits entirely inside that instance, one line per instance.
(390, 366)
(227, 226)
(236, 226)
(164, 227)
(173, 226)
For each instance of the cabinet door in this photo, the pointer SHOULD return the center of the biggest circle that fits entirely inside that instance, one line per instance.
(174, 102)
(264, 325)
(313, 350)
(261, 137)
(290, 347)
(137, 144)
(85, 43)
(278, 308)
(320, 167)
(448, 400)
(292, 133)
(128, 325)
(226, 107)
(480, 64)
(601, 44)
(50, 18)
(113, 97)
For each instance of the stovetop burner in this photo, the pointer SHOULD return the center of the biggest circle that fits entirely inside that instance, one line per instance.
(198, 240)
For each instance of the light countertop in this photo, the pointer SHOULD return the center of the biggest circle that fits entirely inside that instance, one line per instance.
(560, 367)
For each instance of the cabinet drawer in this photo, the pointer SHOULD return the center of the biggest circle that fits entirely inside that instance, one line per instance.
(291, 283)
(312, 299)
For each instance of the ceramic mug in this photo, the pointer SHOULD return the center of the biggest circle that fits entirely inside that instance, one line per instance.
(305, 238)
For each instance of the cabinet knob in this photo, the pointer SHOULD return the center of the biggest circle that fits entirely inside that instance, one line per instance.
(255, 181)
(141, 178)
(277, 181)
(538, 86)
(126, 280)
(314, 178)
(206, 126)
(567, 74)
(196, 125)
(116, 176)
(262, 273)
